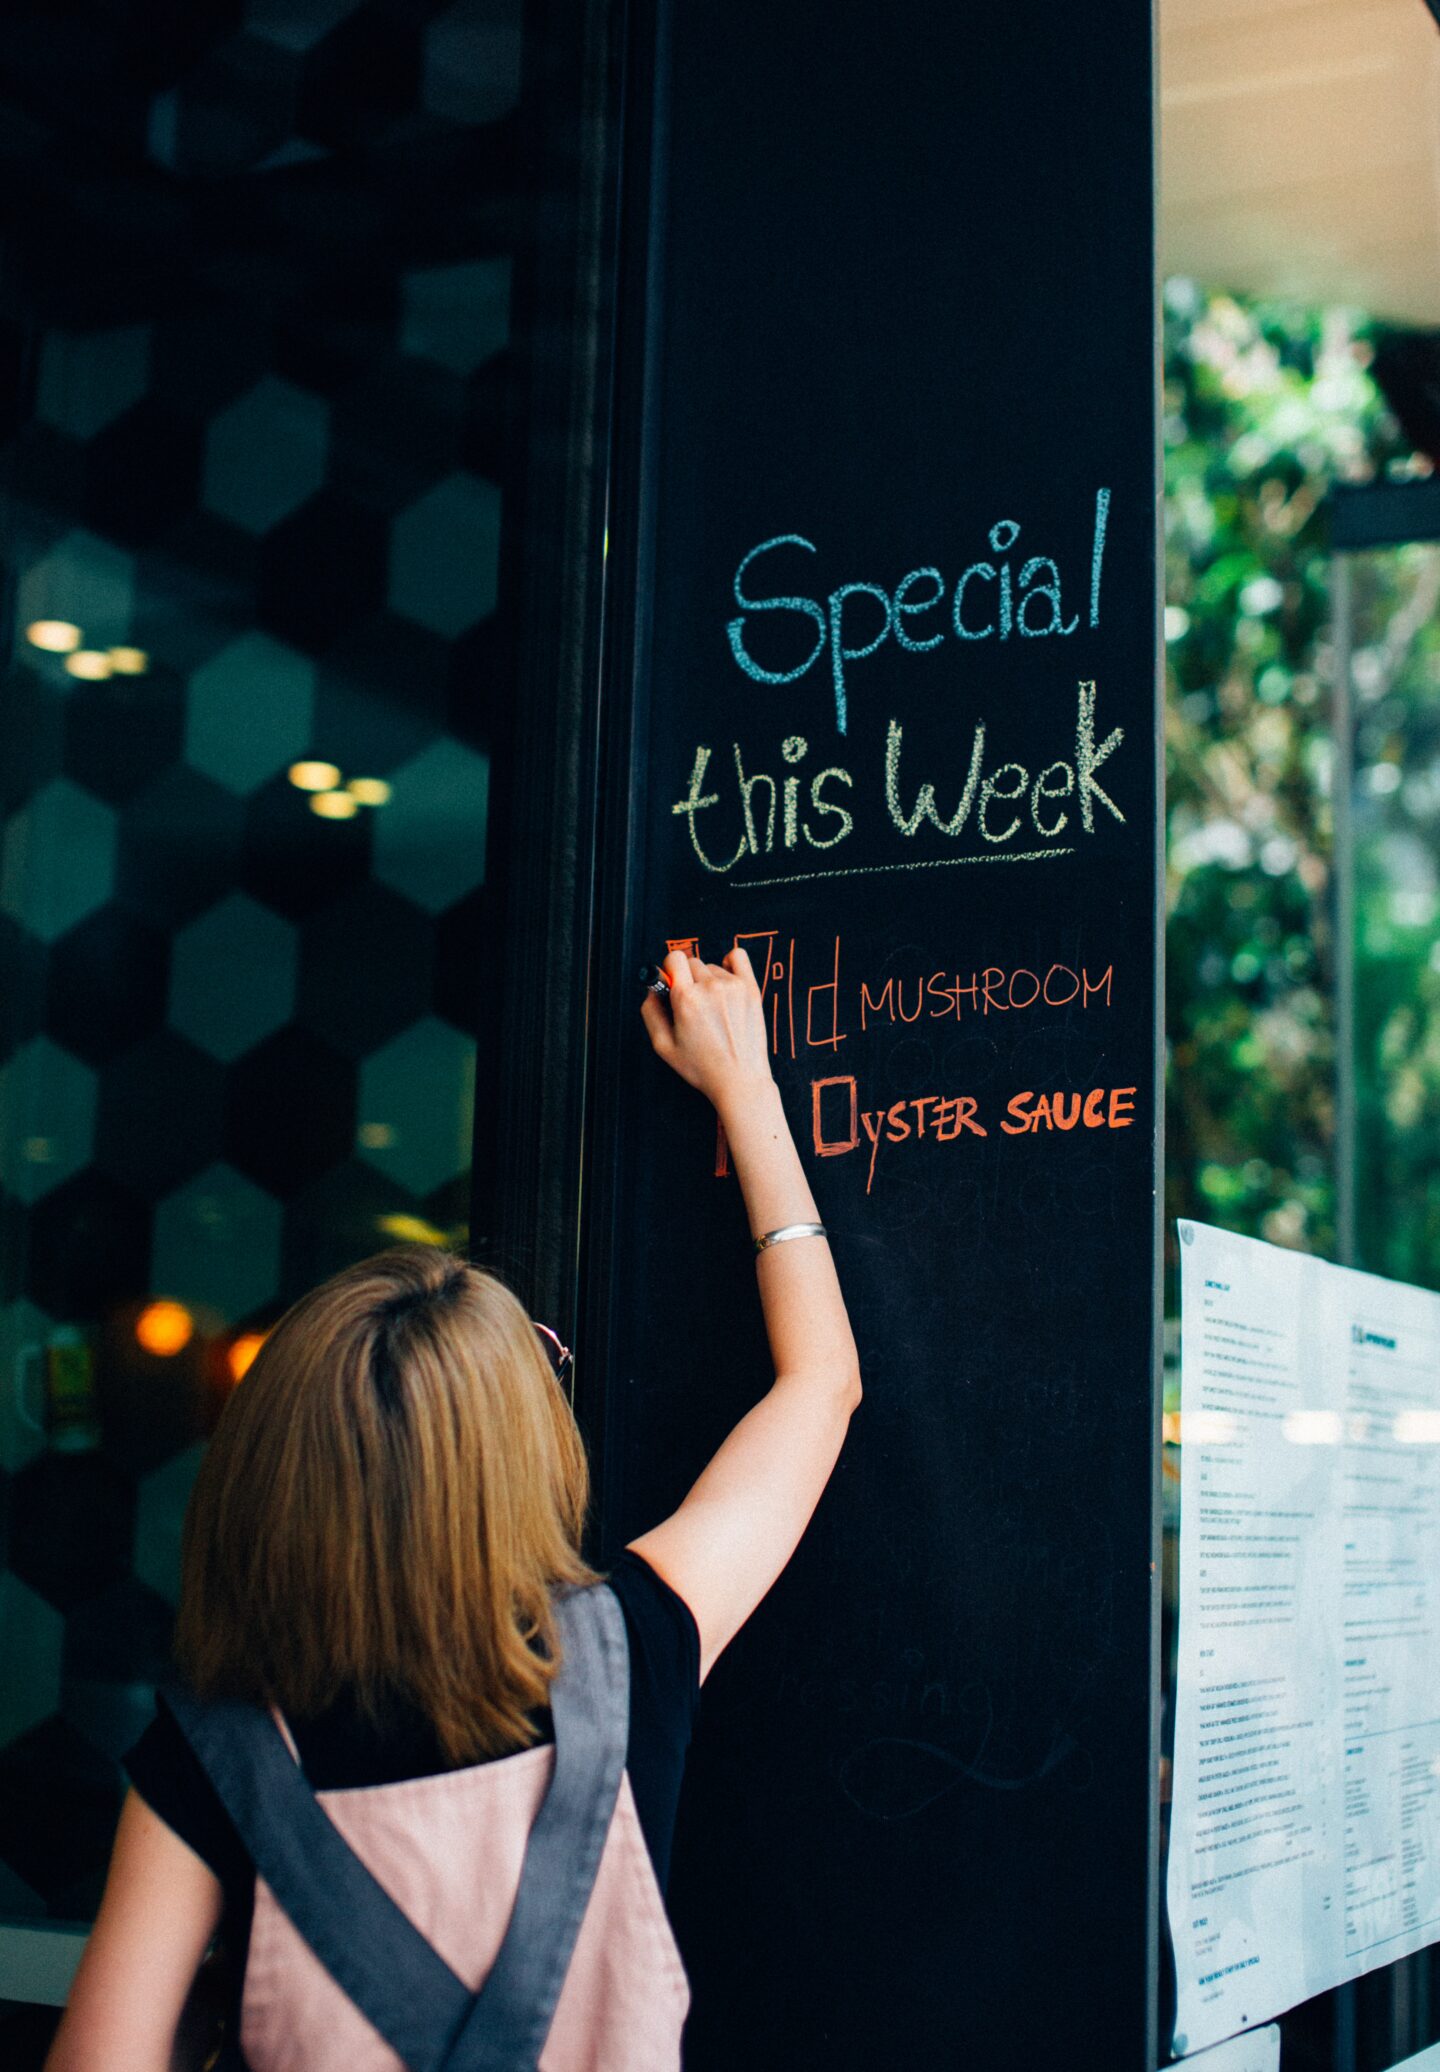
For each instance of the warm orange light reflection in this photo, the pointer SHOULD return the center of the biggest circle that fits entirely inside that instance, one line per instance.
(164, 1328)
(56, 636)
(129, 661)
(334, 805)
(314, 776)
(370, 791)
(90, 665)
(241, 1352)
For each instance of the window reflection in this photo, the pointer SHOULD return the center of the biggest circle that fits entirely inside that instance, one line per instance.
(253, 478)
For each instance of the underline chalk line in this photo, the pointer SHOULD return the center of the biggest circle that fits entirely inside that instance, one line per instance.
(925, 863)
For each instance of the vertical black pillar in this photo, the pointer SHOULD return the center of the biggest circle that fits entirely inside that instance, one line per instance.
(883, 589)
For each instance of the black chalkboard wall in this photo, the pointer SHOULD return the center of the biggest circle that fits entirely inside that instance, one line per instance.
(883, 535)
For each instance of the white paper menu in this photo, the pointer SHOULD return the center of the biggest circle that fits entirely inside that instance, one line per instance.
(1305, 1825)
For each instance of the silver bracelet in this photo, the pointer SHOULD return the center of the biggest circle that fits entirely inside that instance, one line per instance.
(778, 1237)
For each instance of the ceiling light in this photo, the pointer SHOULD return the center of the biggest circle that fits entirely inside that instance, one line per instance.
(314, 776)
(56, 636)
(368, 791)
(89, 664)
(129, 661)
(334, 805)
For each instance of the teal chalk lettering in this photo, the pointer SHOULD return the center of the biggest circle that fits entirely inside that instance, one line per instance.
(839, 653)
(926, 604)
(985, 570)
(1003, 536)
(807, 605)
(1049, 590)
(1097, 551)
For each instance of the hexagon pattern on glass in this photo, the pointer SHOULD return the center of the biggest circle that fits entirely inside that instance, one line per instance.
(244, 1052)
(430, 836)
(217, 1245)
(57, 863)
(265, 454)
(88, 378)
(445, 555)
(232, 977)
(249, 712)
(47, 1118)
(415, 1093)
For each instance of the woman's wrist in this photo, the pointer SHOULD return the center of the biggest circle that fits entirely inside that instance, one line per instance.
(745, 1104)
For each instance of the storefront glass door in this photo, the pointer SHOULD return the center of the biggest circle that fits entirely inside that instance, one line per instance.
(254, 324)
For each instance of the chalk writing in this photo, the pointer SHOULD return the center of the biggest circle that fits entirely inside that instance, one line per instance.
(989, 991)
(1012, 781)
(760, 814)
(810, 1003)
(747, 784)
(951, 1118)
(990, 600)
(1064, 1111)
(827, 1144)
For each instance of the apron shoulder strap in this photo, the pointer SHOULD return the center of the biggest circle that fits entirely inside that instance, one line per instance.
(367, 1944)
(373, 1952)
(590, 1705)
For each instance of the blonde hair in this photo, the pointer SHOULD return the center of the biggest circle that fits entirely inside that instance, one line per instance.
(390, 1496)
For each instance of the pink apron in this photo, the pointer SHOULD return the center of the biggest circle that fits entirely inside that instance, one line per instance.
(500, 1918)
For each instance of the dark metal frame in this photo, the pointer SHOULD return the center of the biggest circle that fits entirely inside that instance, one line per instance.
(530, 1118)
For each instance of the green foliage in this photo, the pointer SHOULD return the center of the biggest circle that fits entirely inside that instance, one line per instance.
(1264, 408)
(1396, 673)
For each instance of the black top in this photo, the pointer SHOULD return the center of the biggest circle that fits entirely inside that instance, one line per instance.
(340, 1749)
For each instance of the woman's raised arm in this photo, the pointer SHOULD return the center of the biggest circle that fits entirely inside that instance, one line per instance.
(739, 1525)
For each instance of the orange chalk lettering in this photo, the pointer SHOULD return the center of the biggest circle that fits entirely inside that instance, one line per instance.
(868, 1005)
(872, 1130)
(832, 1147)
(1104, 980)
(948, 1111)
(1018, 1106)
(968, 1107)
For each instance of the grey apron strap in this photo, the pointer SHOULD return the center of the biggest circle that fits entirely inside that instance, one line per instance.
(372, 1951)
(590, 1705)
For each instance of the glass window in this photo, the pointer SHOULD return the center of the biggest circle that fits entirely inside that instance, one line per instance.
(256, 315)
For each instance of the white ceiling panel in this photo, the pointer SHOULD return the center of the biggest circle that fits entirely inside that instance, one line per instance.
(1300, 150)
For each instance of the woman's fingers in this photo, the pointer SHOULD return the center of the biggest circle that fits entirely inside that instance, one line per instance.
(656, 1017)
(738, 961)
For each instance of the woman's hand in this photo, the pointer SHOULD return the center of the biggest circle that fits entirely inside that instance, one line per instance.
(713, 1031)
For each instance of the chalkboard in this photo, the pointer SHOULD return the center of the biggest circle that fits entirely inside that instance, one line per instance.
(882, 599)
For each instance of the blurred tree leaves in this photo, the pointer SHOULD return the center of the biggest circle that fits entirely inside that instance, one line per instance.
(1264, 408)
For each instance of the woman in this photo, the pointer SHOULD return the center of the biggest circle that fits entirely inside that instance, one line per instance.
(332, 1571)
